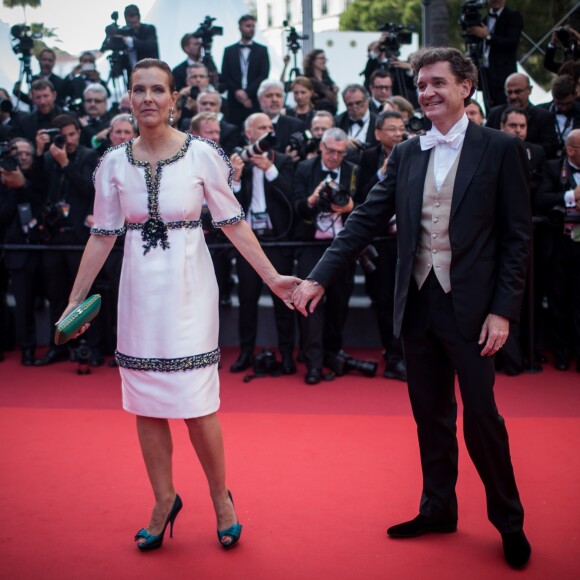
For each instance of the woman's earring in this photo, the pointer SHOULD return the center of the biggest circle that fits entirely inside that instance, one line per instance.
(131, 118)
(171, 116)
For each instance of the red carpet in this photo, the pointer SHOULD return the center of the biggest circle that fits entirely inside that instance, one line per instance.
(318, 473)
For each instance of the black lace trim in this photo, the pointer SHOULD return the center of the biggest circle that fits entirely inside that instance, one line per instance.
(229, 221)
(168, 365)
(188, 225)
(221, 153)
(101, 232)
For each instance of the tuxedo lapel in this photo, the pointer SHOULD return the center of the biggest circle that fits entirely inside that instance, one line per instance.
(471, 152)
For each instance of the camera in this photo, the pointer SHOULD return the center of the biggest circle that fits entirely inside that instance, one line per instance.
(331, 193)
(118, 58)
(342, 363)
(8, 161)
(396, 35)
(293, 39)
(194, 92)
(23, 39)
(265, 363)
(304, 143)
(260, 146)
(56, 137)
(82, 354)
(75, 106)
(469, 16)
(415, 124)
(206, 32)
(366, 257)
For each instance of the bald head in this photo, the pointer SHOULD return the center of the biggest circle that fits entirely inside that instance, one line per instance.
(517, 90)
(573, 147)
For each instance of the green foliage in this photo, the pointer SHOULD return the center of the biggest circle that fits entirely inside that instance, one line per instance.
(368, 15)
(23, 3)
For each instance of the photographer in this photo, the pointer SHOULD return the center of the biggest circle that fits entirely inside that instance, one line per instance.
(140, 39)
(82, 75)
(559, 195)
(264, 190)
(20, 205)
(499, 33)
(566, 41)
(271, 99)
(245, 65)
(192, 46)
(196, 80)
(43, 97)
(357, 121)
(306, 144)
(380, 282)
(324, 188)
(66, 171)
(210, 101)
(381, 87)
(96, 117)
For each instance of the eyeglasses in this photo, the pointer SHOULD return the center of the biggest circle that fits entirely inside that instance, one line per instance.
(334, 151)
(90, 100)
(393, 129)
(574, 146)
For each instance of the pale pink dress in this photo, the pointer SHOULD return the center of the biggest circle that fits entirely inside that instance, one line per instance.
(167, 346)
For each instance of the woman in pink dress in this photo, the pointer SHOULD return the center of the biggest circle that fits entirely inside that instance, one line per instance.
(153, 188)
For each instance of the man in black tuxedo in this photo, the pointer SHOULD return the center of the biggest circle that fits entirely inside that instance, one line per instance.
(82, 75)
(271, 99)
(461, 197)
(142, 42)
(97, 117)
(565, 108)
(559, 193)
(264, 192)
(321, 219)
(381, 87)
(380, 283)
(357, 121)
(500, 33)
(193, 47)
(540, 121)
(245, 65)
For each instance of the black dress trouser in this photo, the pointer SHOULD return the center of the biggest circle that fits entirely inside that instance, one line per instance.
(434, 350)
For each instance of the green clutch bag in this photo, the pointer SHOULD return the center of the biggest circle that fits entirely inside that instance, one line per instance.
(82, 314)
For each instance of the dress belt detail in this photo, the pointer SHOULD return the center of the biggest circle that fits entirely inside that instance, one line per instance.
(170, 225)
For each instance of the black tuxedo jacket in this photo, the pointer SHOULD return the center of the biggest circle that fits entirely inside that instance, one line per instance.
(230, 137)
(180, 75)
(551, 191)
(284, 128)
(541, 128)
(489, 229)
(503, 45)
(341, 121)
(258, 71)
(145, 42)
(278, 194)
(28, 125)
(574, 120)
(308, 177)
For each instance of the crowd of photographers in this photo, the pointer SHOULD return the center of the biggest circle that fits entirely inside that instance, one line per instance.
(299, 170)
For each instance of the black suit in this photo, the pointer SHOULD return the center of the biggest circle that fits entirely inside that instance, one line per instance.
(321, 332)
(564, 284)
(440, 331)
(343, 122)
(541, 128)
(572, 122)
(258, 71)
(28, 125)
(230, 137)
(278, 193)
(503, 48)
(380, 284)
(145, 42)
(180, 72)
(283, 128)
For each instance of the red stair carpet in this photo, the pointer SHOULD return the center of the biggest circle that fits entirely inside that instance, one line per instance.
(317, 473)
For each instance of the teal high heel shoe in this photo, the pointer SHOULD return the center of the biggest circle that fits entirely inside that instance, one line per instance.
(152, 542)
(229, 538)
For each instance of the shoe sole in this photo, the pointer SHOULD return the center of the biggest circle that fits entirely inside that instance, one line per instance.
(441, 530)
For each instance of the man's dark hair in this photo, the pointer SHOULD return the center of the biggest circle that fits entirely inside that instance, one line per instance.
(355, 87)
(64, 120)
(474, 102)
(563, 86)
(509, 110)
(461, 66)
(132, 9)
(185, 39)
(47, 50)
(380, 74)
(245, 18)
(41, 84)
(382, 117)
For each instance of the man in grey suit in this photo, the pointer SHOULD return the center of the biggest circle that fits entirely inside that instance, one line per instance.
(461, 197)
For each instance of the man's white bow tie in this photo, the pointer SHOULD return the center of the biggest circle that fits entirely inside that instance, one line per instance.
(430, 140)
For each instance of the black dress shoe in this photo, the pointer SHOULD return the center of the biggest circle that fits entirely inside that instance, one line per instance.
(516, 549)
(421, 525)
(313, 376)
(396, 371)
(561, 365)
(27, 357)
(52, 356)
(244, 362)
(288, 367)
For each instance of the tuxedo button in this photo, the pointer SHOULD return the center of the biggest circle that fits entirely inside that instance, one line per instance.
(434, 251)
(435, 220)
(433, 236)
(437, 204)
